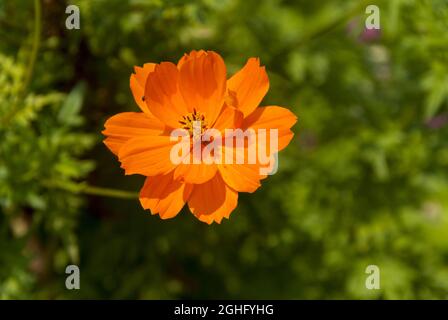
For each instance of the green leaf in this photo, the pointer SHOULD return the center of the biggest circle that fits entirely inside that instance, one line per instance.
(69, 113)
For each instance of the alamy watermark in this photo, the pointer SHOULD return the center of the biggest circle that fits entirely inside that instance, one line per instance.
(73, 20)
(373, 280)
(373, 20)
(73, 281)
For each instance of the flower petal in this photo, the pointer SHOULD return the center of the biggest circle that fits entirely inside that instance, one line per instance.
(149, 156)
(138, 82)
(192, 55)
(241, 177)
(195, 173)
(203, 84)
(124, 126)
(240, 172)
(272, 117)
(229, 118)
(213, 200)
(163, 96)
(250, 85)
(164, 196)
(200, 166)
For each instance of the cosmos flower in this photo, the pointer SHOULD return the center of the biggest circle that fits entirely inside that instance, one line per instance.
(176, 97)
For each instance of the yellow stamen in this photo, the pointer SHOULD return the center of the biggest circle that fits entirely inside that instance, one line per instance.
(194, 120)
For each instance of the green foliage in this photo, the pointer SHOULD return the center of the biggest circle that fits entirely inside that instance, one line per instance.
(363, 182)
(40, 144)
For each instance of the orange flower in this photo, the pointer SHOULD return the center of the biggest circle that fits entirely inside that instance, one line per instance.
(196, 90)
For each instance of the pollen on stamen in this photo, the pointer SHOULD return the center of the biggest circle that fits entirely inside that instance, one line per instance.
(188, 121)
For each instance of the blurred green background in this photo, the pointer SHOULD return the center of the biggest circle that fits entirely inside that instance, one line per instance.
(363, 182)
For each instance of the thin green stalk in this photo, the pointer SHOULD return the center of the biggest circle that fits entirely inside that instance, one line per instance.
(321, 32)
(325, 29)
(35, 45)
(84, 188)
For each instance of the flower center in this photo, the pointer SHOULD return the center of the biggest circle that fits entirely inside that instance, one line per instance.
(194, 122)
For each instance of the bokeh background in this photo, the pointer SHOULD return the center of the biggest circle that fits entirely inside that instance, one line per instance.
(363, 182)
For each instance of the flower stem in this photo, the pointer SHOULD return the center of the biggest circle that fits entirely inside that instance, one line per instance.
(35, 45)
(85, 188)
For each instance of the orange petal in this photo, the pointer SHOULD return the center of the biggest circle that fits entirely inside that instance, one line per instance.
(138, 83)
(203, 84)
(250, 85)
(213, 200)
(199, 172)
(229, 118)
(163, 96)
(195, 173)
(272, 117)
(126, 125)
(149, 156)
(192, 55)
(241, 177)
(164, 196)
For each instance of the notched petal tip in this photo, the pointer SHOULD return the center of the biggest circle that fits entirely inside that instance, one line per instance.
(203, 84)
(213, 200)
(250, 83)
